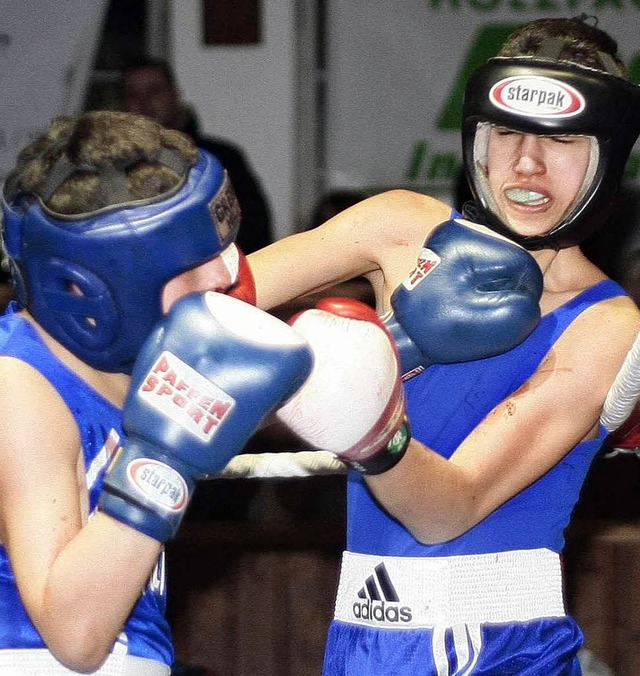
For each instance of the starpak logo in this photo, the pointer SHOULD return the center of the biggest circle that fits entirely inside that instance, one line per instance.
(536, 96)
(159, 482)
(427, 261)
(185, 396)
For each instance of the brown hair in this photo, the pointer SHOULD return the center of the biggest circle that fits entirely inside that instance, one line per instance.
(93, 147)
(576, 41)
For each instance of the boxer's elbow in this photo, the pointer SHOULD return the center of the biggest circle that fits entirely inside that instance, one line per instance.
(79, 647)
(443, 501)
(81, 655)
(455, 518)
(438, 531)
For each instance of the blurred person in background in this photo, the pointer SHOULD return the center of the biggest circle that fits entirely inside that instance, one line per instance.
(149, 88)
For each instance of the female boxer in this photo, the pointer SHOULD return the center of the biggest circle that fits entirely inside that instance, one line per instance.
(452, 562)
(109, 219)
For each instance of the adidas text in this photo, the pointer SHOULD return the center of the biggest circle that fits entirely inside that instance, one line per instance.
(381, 612)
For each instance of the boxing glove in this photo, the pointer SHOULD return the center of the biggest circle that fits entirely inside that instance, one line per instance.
(626, 438)
(205, 378)
(473, 294)
(352, 403)
(242, 283)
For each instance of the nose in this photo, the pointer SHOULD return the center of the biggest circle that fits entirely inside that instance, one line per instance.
(214, 275)
(529, 159)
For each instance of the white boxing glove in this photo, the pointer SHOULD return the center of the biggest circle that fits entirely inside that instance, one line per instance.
(352, 404)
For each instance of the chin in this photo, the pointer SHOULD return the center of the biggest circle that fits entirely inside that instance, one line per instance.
(532, 227)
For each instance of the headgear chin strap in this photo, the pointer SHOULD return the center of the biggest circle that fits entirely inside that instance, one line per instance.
(118, 258)
(534, 95)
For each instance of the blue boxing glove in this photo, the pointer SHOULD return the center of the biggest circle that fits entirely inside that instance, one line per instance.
(206, 377)
(473, 294)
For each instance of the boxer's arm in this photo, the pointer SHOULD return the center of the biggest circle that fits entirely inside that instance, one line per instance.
(522, 439)
(78, 580)
(382, 233)
(340, 408)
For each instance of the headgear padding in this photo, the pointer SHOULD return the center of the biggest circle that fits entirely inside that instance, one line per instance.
(534, 95)
(94, 281)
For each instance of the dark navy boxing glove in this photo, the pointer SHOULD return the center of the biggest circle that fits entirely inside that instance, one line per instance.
(473, 294)
(204, 380)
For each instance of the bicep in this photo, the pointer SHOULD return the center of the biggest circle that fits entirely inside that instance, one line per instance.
(559, 406)
(373, 235)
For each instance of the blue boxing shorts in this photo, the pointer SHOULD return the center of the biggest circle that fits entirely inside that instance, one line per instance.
(483, 615)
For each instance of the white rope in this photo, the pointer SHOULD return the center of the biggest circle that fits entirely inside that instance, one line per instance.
(298, 464)
(625, 391)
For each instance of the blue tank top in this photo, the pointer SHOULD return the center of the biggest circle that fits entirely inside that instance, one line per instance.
(146, 633)
(445, 403)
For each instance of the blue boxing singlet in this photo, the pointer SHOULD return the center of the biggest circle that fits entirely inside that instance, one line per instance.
(146, 633)
(445, 403)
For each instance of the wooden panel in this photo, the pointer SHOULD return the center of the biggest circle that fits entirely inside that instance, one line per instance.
(590, 599)
(603, 589)
(231, 22)
(249, 598)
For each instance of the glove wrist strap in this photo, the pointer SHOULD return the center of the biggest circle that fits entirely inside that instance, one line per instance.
(386, 444)
(388, 456)
(147, 490)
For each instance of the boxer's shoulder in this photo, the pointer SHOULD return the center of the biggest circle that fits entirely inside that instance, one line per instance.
(610, 325)
(594, 345)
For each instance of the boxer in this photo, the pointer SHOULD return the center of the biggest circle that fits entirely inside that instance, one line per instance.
(452, 558)
(109, 220)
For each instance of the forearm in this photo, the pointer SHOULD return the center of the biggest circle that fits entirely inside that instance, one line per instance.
(90, 589)
(432, 497)
(301, 264)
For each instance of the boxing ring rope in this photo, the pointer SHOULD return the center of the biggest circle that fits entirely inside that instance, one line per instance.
(625, 391)
(619, 404)
(284, 465)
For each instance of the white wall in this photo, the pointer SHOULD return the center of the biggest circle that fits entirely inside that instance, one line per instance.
(245, 94)
(46, 52)
(394, 79)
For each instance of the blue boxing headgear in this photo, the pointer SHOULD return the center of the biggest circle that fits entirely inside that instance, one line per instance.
(537, 95)
(119, 258)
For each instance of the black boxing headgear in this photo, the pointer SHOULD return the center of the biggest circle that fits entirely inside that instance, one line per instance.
(534, 95)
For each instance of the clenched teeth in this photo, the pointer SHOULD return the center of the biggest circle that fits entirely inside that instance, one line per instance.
(528, 197)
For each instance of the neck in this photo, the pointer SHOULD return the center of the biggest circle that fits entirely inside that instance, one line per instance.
(566, 273)
(545, 259)
(112, 386)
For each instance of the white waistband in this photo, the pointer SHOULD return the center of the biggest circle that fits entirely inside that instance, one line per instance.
(416, 592)
(43, 663)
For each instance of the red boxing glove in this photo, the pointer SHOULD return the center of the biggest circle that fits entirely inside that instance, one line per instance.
(243, 285)
(627, 436)
(352, 404)
(349, 307)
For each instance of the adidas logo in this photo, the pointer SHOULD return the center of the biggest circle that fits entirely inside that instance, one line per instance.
(380, 599)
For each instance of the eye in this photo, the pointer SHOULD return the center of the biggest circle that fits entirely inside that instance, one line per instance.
(504, 131)
(563, 139)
